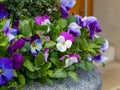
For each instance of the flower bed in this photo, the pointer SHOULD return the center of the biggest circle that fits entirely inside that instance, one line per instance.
(42, 49)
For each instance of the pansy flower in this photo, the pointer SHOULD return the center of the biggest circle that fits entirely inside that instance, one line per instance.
(3, 12)
(9, 32)
(17, 60)
(92, 24)
(6, 73)
(74, 29)
(43, 20)
(35, 47)
(71, 58)
(100, 58)
(79, 20)
(64, 41)
(66, 5)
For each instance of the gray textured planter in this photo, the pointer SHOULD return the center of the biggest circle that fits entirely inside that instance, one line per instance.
(88, 80)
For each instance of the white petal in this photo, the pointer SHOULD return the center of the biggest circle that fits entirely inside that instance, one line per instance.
(68, 43)
(70, 61)
(60, 47)
(74, 59)
(46, 22)
(32, 49)
(60, 39)
(10, 36)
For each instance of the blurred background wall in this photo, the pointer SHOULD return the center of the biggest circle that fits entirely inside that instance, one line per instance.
(108, 12)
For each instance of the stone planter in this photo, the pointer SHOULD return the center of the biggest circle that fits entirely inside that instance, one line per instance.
(88, 80)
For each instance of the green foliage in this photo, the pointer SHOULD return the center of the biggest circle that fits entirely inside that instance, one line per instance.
(32, 8)
(73, 76)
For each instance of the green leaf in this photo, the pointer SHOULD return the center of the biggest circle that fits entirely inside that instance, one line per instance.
(39, 60)
(25, 47)
(21, 79)
(15, 73)
(92, 45)
(70, 68)
(4, 88)
(99, 41)
(55, 61)
(49, 81)
(42, 29)
(29, 65)
(3, 40)
(26, 28)
(82, 65)
(90, 66)
(71, 18)
(73, 76)
(62, 22)
(58, 73)
(48, 65)
(50, 73)
(32, 75)
(49, 44)
(54, 54)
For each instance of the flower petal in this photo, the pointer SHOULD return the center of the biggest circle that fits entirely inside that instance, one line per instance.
(61, 39)
(68, 43)
(61, 48)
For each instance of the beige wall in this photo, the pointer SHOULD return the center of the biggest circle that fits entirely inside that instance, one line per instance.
(108, 12)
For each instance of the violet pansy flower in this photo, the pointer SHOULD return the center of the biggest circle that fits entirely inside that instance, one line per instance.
(74, 29)
(71, 58)
(66, 5)
(43, 20)
(79, 20)
(9, 32)
(6, 73)
(17, 45)
(35, 47)
(3, 12)
(100, 58)
(17, 60)
(92, 24)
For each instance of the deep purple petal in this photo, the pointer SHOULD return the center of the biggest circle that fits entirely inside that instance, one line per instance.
(3, 12)
(2, 79)
(79, 20)
(17, 45)
(67, 36)
(64, 11)
(73, 55)
(17, 60)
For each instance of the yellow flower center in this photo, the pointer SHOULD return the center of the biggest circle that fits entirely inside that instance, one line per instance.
(63, 43)
(33, 45)
(1, 71)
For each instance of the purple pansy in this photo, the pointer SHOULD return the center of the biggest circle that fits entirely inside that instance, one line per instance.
(89, 57)
(15, 24)
(17, 60)
(3, 12)
(74, 29)
(92, 24)
(66, 5)
(9, 32)
(42, 20)
(6, 72)
(105, 46)
(17, 45)
(67, 36)
(100, 58)
(71, 58)
(79, 20)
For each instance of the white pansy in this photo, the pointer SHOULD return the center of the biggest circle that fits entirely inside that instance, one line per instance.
(70, 61)
(62, 45)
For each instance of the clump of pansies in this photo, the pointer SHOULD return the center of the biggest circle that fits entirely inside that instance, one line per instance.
(40, 50)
